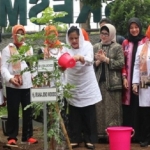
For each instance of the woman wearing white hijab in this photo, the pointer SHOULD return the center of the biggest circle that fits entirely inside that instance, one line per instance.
(109, 60)
(82, 113)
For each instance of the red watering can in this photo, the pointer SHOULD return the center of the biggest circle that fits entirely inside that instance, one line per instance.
(66, 61)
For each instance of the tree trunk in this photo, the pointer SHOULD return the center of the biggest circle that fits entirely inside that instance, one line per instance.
(85, 25)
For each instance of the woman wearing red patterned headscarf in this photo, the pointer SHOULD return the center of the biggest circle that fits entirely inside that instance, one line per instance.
(17, 89)
(52, 46)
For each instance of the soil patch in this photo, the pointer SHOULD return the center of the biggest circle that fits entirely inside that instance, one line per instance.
(37, 134)
(39, 146)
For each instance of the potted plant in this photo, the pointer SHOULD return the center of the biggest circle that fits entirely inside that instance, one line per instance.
(36, 41)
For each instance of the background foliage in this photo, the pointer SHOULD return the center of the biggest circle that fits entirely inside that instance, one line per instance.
(122, 10)
(93, 3)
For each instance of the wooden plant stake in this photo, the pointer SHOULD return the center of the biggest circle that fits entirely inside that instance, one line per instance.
(63, 127)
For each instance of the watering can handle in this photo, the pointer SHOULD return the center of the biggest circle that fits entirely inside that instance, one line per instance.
(133, 132)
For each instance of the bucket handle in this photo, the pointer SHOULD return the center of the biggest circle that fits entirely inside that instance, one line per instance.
(106, 132)
(133, 132)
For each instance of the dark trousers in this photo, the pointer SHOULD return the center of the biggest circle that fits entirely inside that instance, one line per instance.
(14, 98)
(131, 116)
(82, 124)
(145, 124)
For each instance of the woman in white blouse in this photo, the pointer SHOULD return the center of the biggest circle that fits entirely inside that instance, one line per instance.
(141, 86)
(17, 90)
(82, 114)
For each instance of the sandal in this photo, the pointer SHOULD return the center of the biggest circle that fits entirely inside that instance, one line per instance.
(74, 145)
(89, 146)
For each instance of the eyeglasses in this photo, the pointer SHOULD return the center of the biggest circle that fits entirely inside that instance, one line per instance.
(104, 34)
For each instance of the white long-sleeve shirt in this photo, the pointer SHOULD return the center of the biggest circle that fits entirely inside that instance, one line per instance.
(86, 91)
(144, 93)
(8, 73)
(55, 53)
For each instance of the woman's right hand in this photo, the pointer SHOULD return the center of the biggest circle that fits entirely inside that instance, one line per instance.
(135, 89)
(79, 58)
(76, 57)
(14, 81)
(125, 83)
(96, 56)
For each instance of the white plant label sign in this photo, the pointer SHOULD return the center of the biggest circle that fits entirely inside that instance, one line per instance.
(45, 65)
(43, 94)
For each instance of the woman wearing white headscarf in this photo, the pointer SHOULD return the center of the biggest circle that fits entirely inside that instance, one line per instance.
(109, 60)
(82, 113)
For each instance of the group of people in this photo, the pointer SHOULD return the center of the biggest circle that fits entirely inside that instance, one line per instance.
(123, 77)
(111, 79)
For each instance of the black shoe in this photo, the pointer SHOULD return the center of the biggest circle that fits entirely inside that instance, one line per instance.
(89, 146)
(103, 140)
(144, 144)
(134, 141)
(74, 145)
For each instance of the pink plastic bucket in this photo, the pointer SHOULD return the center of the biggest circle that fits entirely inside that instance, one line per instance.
(66, 61)
(120, 137)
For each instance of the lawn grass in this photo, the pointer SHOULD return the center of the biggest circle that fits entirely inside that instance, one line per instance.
(3, 111)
